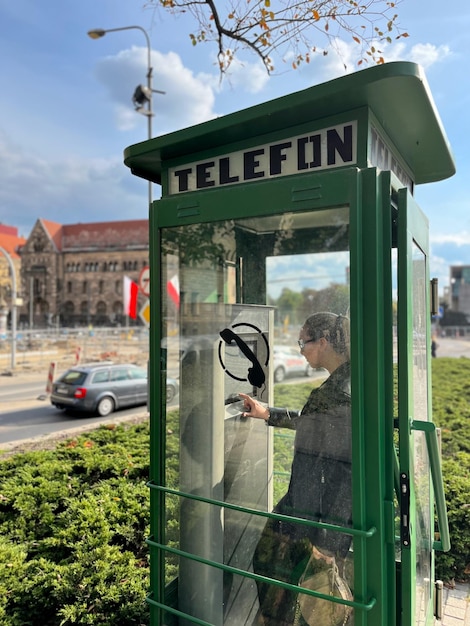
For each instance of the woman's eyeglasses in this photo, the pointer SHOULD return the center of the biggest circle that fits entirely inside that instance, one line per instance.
(303, 342)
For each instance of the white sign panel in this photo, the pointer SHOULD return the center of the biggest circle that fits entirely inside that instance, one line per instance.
(323, 149)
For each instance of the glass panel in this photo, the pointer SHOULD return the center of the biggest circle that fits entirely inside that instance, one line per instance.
(238, 296)
(394, 272)
(421, 468)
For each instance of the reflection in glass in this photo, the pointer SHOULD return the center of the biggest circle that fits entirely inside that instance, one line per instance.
(235, 290)
(422, 472)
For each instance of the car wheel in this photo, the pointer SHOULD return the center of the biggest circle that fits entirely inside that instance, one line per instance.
(105, 406)
(279, 374)
(170, 393)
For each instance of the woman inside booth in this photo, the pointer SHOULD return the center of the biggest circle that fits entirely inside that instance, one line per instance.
(319, 489)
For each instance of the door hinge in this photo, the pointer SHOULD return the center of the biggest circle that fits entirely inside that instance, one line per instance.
(405, 509)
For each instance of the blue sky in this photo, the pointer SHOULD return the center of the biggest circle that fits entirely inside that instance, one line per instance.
(66, 113)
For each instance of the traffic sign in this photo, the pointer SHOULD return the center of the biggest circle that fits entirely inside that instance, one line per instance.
(144, 280)
(144, 313)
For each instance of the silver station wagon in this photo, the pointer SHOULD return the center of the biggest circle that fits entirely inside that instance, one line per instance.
(100, 388)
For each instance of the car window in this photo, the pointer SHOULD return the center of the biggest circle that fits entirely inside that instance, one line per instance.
(100, 377)
(137, 373)
(73, 377)
(119, 374)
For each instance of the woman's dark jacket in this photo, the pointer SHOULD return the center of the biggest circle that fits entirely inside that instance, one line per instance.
(320, 484)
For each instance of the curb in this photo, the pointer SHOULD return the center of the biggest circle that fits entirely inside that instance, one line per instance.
(41, 441)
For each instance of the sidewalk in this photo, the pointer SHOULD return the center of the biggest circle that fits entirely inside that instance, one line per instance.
(456, 606)
(458, 347)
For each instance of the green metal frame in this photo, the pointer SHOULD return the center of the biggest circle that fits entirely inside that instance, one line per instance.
(413, 227)
(368, 196)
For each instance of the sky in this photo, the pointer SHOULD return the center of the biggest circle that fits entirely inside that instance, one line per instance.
(66, 111)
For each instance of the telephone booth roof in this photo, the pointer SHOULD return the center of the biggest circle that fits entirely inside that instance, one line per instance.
(397, 94)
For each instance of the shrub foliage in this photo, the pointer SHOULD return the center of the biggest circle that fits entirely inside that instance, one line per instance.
(73, 521)
(451, 412)
(72, 528)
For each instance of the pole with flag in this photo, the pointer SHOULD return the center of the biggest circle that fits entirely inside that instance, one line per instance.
(173, 288)
(131, 290)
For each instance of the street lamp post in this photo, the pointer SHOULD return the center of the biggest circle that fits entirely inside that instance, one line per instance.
(142, 94)
(13, 307)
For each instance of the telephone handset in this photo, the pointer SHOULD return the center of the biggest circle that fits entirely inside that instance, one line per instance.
(255, 374)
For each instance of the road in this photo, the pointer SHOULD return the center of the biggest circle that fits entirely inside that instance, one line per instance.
(24, 416)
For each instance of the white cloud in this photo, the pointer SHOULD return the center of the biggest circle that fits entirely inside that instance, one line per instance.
(188, 99)
(342, 58)
(425, 54)
(251, 77)
(461, 238)
(66, 190)
(126, 118)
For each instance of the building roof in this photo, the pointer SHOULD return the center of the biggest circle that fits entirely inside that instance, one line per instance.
(8, 230)
(11, 243)
(98, 235)
(54, 230)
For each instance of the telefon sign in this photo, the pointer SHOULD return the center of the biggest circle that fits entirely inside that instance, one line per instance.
(324, 149)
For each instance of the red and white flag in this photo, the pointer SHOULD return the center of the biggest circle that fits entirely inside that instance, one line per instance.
(131, 290)
(173, 288)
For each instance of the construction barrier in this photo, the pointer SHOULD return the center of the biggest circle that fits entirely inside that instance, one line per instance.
(50, 377)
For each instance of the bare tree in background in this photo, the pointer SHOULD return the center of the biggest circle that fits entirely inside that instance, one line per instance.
(296, 29)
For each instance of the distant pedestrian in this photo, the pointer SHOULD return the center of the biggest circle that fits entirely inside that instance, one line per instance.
(434, 346)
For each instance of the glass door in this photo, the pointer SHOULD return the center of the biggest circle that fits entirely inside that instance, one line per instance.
(416, 496)
(245, 289)
(249, 298)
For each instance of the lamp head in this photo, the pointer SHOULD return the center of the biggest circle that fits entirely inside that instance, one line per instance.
(96, 33)
(142, 94)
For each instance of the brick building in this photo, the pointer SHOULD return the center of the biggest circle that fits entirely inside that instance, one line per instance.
(460, 288)
(11, 243)
(73, 274)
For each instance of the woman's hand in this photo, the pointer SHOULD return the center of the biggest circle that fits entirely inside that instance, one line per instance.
(253, 408)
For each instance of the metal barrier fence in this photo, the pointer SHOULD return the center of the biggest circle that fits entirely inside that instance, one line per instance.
(37, 348)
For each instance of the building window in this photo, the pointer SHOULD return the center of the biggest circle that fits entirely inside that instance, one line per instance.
(84, 287)
(118, 287)
(69, 286)
(101, 286)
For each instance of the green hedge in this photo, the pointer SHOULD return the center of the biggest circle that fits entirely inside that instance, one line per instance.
(73, 521)
(451, 412)
(72, 527)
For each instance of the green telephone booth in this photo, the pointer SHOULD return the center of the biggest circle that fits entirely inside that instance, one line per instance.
(297, 206)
